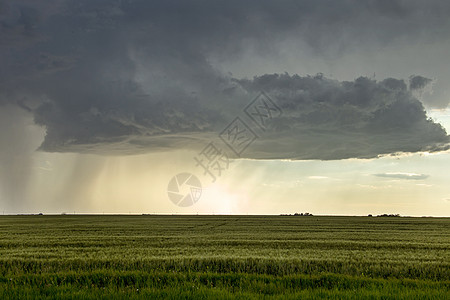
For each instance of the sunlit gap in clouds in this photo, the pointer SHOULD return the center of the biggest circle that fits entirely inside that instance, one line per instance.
(441, 116)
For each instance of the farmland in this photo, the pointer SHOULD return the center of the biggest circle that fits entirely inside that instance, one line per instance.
(151, 256)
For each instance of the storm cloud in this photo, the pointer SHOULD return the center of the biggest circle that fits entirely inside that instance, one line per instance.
(327, 119)
(127, 77)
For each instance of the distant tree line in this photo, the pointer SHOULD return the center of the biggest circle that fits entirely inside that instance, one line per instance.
(299, 214)
(387, 215)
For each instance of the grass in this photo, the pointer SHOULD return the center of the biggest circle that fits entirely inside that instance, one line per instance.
(224, 257)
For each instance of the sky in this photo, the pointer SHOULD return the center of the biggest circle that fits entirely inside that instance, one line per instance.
(273, 107)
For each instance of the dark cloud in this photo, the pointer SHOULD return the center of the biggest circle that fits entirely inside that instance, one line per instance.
(327, 119)
(123, 77)
(407, 176)
(423, 89)
(322, 119)
(417, 82)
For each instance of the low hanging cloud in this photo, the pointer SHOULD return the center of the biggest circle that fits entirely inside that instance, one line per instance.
(127, 77)
(321, 119)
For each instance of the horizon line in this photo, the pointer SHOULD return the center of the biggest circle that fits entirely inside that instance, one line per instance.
(218, 214)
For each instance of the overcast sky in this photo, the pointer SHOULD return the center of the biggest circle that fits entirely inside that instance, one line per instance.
(344, 105)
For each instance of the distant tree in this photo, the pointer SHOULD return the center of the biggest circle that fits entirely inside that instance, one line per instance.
(303, 214)
(389, 215)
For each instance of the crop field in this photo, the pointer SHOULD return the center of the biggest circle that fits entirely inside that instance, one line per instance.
(275, 257)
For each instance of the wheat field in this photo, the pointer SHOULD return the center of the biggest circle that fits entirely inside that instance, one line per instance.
(224, 257)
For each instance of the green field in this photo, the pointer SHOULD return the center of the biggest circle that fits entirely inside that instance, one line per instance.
(224, 257)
